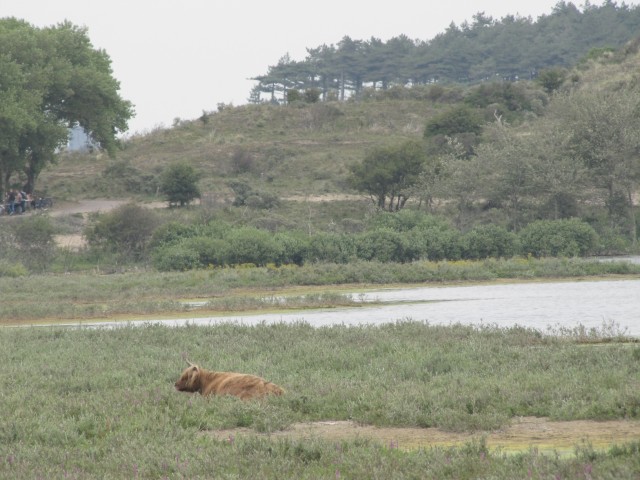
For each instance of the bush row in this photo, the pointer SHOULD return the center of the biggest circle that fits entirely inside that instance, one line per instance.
(391, 239)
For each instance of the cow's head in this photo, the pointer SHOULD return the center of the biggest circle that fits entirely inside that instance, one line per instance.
(189, 381)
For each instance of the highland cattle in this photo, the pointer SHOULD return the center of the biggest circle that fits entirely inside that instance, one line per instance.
(241, 385)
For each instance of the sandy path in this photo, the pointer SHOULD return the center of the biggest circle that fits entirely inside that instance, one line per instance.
(523, 433)
(95, 206)
(77, 241)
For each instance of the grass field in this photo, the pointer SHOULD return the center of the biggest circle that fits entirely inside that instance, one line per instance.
(97, 403)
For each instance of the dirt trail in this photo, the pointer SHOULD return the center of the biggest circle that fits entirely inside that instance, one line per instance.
(94, 206)
(77, 241)
(85, 206)
(523, 434)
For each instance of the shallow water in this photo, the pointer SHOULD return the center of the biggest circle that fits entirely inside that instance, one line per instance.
(536, 305)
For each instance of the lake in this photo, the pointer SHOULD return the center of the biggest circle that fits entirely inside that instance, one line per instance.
(537, 305)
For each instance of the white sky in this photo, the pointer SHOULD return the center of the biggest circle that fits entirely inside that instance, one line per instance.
(176, 59)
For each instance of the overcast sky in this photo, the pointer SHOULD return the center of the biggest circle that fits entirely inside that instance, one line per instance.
(175, 59)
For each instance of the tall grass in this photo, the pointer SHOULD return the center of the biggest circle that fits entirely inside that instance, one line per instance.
(97, 403)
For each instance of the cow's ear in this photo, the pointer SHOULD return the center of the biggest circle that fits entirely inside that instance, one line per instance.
(193, 365)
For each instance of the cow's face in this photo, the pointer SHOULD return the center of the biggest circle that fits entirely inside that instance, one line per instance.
(189, 381)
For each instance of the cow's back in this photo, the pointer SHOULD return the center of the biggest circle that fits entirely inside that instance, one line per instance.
(241, 385)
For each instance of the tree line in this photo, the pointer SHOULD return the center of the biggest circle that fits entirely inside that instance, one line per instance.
(134, 233)
(512, 48)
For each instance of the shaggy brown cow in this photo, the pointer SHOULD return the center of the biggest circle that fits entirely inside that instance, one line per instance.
(207, 382)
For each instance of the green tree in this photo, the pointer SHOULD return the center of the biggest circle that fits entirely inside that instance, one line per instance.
(559, 177)
(53, 78)
(602, 128)
(508, 170)
(511, 48)
(428, 183)
(18, 107)
(178, 182)
(387, 173)
(459, 179)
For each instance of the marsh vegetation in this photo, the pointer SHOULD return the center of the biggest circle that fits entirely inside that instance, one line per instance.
(93, 294)
(92, 403)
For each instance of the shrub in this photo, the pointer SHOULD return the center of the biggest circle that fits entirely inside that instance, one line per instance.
(170, 233)
(384, 245)
(12, 269)
(241, 191)
(178, 183)
(456, 120)
(125, 230)
(34, 242)
(489, 241)
(210, 251)
(294, 248)
(245, 195)
(216, 229)
(262, 200)
(175, 257)
(406, 220)
(558, 238)
(332, 247)
(293, 95)
(250, 245)
(120, 176)
(435, 243)
(242, 161)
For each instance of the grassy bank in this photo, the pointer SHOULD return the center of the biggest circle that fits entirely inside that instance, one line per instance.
(86, 403)
(83, 296)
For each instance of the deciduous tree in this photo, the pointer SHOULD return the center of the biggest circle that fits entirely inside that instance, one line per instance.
(387, 173)
(603, 132)
(50, 79)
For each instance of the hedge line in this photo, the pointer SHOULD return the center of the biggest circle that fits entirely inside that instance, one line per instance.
(390, 238)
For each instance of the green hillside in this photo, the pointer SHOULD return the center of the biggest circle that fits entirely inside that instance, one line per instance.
(292, 150)
(305, 149)
(544, 168)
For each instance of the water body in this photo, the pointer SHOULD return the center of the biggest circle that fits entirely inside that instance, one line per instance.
(536, 305)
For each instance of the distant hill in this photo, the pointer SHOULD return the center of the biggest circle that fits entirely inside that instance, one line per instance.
(305, 149)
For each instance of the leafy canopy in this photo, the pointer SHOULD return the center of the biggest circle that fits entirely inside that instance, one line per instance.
(51, 79)
(387, 173)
